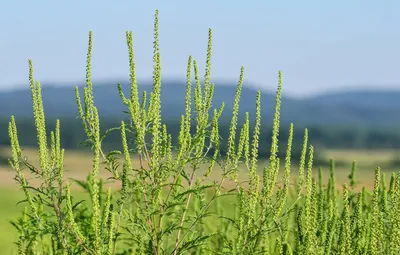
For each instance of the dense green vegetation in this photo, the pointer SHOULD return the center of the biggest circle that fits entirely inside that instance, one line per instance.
(348, 137)
(169, 204)
(321, 137)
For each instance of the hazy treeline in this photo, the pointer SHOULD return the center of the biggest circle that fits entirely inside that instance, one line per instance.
(72, 135)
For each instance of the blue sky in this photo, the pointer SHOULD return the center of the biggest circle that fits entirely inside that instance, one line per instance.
(319, 45)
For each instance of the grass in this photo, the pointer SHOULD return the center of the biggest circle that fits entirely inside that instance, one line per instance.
(363, 157)
(78, 164)
(9, 211)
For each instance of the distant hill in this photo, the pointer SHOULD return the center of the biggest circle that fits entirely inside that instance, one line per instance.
(377, 108)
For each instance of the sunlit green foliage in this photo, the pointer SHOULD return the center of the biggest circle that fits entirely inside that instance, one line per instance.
(169, 205)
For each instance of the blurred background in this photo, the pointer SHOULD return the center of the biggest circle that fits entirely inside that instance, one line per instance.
(340, 63)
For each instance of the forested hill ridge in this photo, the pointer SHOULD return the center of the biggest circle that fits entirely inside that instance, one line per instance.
(368, 108)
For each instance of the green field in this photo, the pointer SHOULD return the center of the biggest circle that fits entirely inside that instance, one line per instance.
(78, 164)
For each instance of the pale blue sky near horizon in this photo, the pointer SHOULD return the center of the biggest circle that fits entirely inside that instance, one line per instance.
(319, 46)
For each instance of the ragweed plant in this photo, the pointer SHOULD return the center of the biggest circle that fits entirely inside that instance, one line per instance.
(169, 204)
